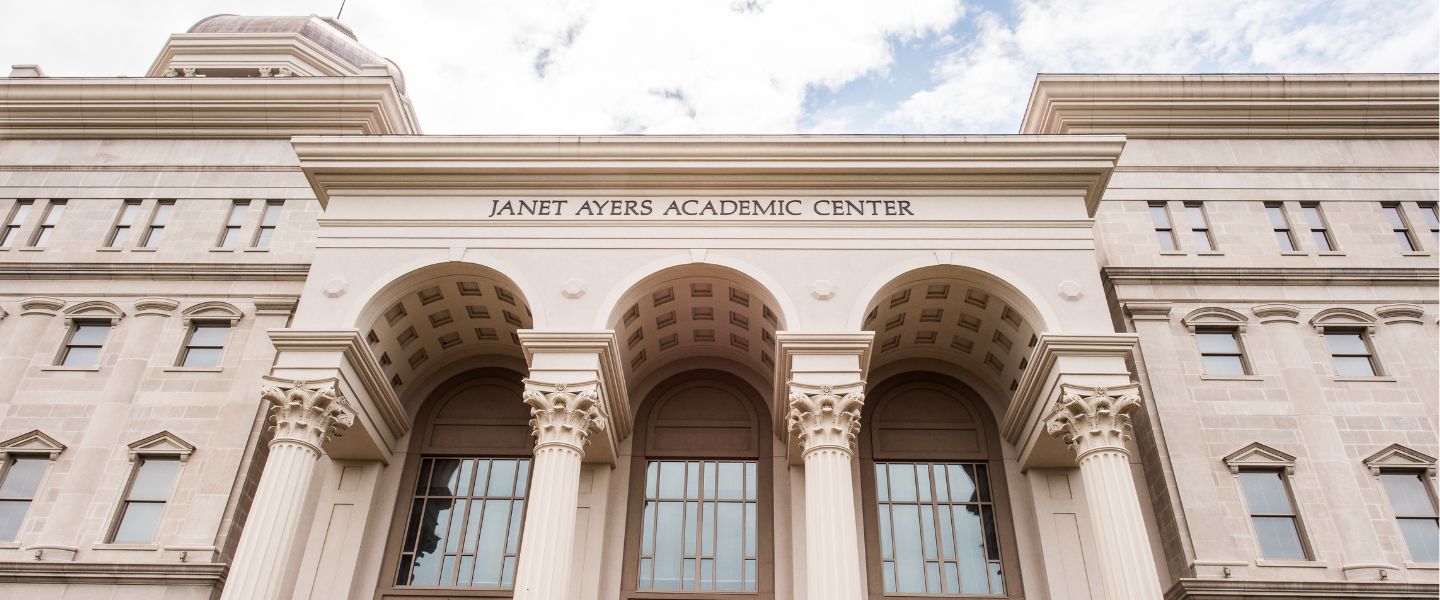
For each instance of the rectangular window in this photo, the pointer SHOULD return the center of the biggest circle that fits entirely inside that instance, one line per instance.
(1414, 505)
(47, 223)
(1431, 213)
(1199, 226)
(1220, 351)
(1280, 222)
(937, 529)
(1272, 511)
(15, 222)
(464, 527)
(1164, 231)
(145, 500)
(1400, 227)
(18, 484)
(1352, 353)
(1319, 231)
(124, 222)
(231, 235)
(268, 222)
(82, 347)
(158, 222)
(205, 344)
(699, 527)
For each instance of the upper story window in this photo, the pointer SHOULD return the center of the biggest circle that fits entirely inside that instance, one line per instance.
(124, 223)
(1280, 223)
(48, 222)
(1199, 226)
(83, 343)
(464, 490)
(1400, 226)
(14, 222)
(1319, 229)
(23, 462)
(1413, 500)
(268, 222)
(1431, 214)
(1273, 514)
(233, 224)
(1164, 229)
(1221, 352)
(204, 344)
(1352, 353)
(159, 220)
(156, 462)
(936, 518)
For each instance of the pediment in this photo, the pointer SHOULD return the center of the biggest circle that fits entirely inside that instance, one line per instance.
(1396, 456)
(33, 442)
(162, 444)
(1214, 316)
(213, 311)
(1342, 317)
(1258, 455)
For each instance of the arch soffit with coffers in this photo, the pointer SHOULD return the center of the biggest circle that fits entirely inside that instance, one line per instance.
(1009, 282)
(614, 303)
(411, 273)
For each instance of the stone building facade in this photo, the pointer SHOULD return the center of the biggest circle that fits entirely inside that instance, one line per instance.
(261, 338)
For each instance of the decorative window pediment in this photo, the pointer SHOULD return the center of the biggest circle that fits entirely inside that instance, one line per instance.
(1259, 456)
(1398, 457)
(1401, 313)
(161, 307)
(34, 442)
(162, 444)
(1277, 313)
(212, 311)
(95, 309)
(41, 306)
(1348, 318)
(1214, 316)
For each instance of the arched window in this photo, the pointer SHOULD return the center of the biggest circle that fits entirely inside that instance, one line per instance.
(937, 518)
(700, 514)
(457, 523)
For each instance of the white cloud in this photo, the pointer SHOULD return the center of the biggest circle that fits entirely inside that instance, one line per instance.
(983, 86)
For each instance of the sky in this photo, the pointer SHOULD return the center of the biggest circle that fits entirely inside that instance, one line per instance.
(760, 66)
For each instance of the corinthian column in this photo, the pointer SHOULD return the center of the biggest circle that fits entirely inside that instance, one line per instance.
(1095, 422)
(826, 421)
(305, 416)
(563, 420)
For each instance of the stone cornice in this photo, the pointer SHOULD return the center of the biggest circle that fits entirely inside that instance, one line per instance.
(1228, 589)
(109, 573)
(401, 165)
(1236, 106)
(156, 271)
(1326, 276)
(275, 108)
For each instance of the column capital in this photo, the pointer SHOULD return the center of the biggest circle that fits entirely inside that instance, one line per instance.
(306, 412)
(1090, 419)
(564, 413)
(825, 416)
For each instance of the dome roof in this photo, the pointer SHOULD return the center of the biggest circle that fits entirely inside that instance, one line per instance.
(328, 33)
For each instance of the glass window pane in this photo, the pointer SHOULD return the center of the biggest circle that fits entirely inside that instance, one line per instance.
(1322, 241)
(52, 216)
(1217, 342)
(12, 516)
(1167, 241)
(237, 215)
(262, 240)
(201, 357)
(728, 557)
(139, 522)
(672, 479)
(444, 475)
(1354, 366)
(229, 237)
(1224, 365)
(121, 234)
(208, 334)
(127, 214)
(909, 557)
(1392, 214)
(962, 486)
(902, 482)
(1282, 238)
(502, 477)
(81, 357)
(1202, 241)
(1346, 343)
(1422, 537)
(90, 334)
(272, 215)
(1279, 538)
(491, 553)
(154, 479)
(1403, 239)
(669, 520)
(1432, 216)
(1159, 217)
(1312, 217)
(732, 481)
(1265, 492)
(1407, 494)
(1197, 217)
(162, 214)
(970, 542)
(23, 476)
(1277, 217)
(153, 237)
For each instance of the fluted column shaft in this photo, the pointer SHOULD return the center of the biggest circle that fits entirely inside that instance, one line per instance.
(1095, 424)
(562, 421)
(826, 423)
(305, 418)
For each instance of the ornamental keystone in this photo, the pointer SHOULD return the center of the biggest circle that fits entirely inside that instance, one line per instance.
(1091, 419)
(310, 413)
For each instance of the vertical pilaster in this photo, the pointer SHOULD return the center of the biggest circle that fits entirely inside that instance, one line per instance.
(1095, 422)
(563, 419)
(25, 333)
(305, 417)
(826, 421)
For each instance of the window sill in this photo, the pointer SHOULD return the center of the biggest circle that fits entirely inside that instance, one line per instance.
(1331, 253)
(31, 249)
(147, 249)
(1293, 564)
(256, 250)
(1172, 253)
(445, 593)
(1424, 566)
(222, 249)
(109, 249)
(1293, 253)
(192, 369)
(1232, 378)
(1210, 253)
(65, 368)
(9, 545)
(1377, 379)
(128, 547)
(1415, 253)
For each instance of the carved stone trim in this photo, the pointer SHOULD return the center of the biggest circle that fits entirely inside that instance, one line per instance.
(155, 307)
(564, 414)
(32, 442)
(1214, 316)
(41, 306)
(1092, 419)
(826, 416)
(309, 413)
(94, 309)
(1397, 456)
(1148, 311)
(1401, 313)
(1277, 313)
(213, 311)
(162, 444)
(279, 306)
(1342, 317)
(1261, 456)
